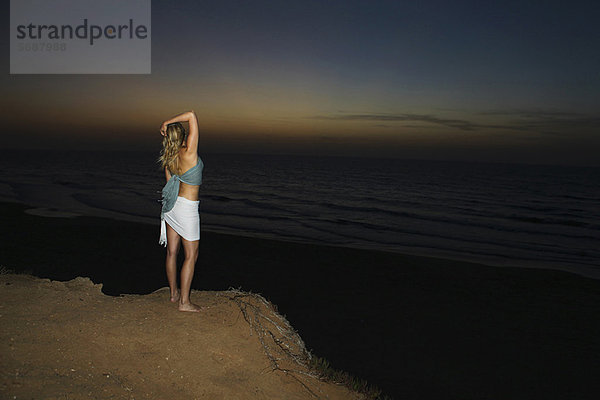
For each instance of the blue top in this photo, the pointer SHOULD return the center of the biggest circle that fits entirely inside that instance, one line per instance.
(192, 176)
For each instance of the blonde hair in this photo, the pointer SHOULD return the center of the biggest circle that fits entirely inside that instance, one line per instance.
(174, 139)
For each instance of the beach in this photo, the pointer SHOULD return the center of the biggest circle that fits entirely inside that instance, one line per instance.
(414, 326)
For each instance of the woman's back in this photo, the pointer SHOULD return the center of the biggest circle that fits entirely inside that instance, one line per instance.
(188, 161)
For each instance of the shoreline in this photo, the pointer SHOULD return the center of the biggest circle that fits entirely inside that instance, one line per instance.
(411, 325)
(120, 217)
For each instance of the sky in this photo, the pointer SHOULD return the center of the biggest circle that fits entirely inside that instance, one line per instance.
(508, 81)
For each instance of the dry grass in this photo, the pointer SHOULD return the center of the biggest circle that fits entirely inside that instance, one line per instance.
(286, 350)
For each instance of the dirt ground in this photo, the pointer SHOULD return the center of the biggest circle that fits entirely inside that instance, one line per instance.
(67, 340)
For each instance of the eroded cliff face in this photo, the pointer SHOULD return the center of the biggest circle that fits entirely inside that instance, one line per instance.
(69, 340)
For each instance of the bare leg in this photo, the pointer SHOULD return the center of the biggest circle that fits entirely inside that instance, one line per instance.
(173, 242)
(187, 274)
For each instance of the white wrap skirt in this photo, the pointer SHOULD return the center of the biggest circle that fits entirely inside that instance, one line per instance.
(184, 218)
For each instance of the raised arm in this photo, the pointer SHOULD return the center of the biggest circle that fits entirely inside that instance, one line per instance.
(192, 139)
(190, 118)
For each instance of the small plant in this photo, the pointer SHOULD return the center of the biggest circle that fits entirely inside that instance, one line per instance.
(5, 271)
(326, 372)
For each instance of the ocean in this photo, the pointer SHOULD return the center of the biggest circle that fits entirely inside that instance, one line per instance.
(495, 214)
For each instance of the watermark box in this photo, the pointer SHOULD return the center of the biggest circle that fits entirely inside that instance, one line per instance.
(80, 37)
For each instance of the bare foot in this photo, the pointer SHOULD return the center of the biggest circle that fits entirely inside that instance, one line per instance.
(175, 297)
(190, 307)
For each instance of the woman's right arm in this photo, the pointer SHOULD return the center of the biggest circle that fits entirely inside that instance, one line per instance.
(188, 116)
(192, 139)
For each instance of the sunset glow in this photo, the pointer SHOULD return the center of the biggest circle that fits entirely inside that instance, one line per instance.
(386, 79)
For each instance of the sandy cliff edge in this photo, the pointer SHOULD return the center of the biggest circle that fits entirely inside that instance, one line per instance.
(69, 340)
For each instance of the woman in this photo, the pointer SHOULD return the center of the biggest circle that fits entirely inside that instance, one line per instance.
(180, 220)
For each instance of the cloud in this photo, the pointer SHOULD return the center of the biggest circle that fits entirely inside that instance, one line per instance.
(548, 114)
(452, 123)
(517, 120)
(548, 122)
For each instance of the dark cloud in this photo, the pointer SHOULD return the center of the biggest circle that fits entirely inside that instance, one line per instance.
(548, 114)
(451, 123)
(553, 122)
(548, 122)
